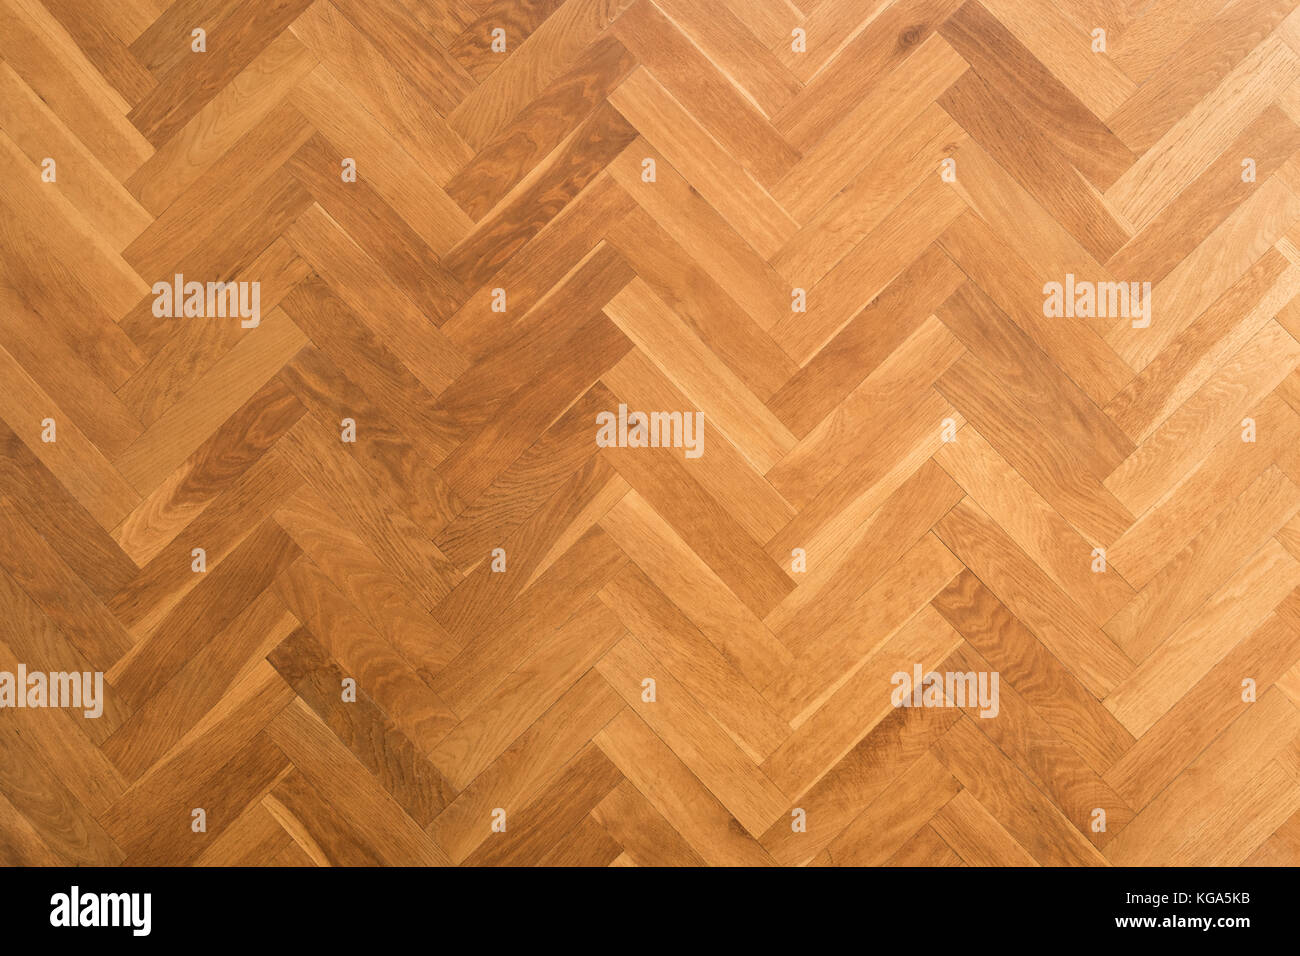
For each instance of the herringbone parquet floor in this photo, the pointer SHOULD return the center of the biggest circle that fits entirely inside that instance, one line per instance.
(365, 582)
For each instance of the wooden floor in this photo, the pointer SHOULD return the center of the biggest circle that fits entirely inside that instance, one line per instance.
(476, 634)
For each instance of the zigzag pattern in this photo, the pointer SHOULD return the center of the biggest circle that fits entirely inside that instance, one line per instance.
(944, 457)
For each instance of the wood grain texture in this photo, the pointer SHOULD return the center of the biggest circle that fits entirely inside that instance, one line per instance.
(366, 583)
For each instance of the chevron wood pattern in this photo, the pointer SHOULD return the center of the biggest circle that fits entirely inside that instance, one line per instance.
(615, 406)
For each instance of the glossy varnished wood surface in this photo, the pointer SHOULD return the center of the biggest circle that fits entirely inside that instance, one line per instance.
(521, 691)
